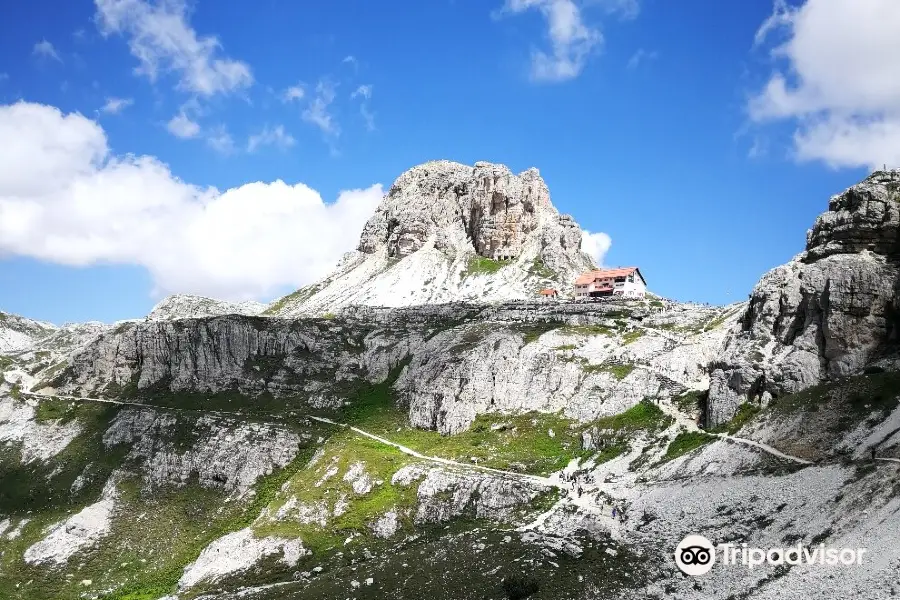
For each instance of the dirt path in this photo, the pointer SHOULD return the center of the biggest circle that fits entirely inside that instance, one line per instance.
(689, 424)
(571, 496)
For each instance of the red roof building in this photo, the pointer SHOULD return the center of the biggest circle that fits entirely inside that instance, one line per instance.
(627, 282)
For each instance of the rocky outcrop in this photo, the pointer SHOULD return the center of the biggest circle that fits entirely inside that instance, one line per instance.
(828, 313)
(237, 552)
(215, 354)
(436, 219)
(216, 452)
(182, 306)
(18, 333)
(586, 360)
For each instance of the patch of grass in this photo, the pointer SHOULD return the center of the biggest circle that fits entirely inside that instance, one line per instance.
(631, 336)
(619, 371)
(532, 331)
(745, 412)
(685, 442)
(588, 330)
(298, 297)
(858, 395)
(691, 401)
(329, 316)
(539, 269)
(645, 415)
(479, 265)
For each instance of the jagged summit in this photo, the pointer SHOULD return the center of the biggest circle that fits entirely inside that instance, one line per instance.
(447, 231)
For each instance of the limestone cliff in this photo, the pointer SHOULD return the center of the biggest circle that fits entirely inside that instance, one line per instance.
(447, 232)
(828, 313)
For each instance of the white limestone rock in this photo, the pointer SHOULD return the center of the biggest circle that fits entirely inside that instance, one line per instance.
(78, 533)
(19, 333)
(40, 441)
(184, 306)
(236, 552)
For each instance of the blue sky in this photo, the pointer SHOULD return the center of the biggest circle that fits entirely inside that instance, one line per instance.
(662, 124)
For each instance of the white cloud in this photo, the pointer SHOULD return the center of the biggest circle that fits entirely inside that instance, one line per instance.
(46, 49)
(364, 92)
(181, 126)
(571, 40)
(595, 245)
(220, 140)
(64, 198)
(836, 80)
(114, 106)
(641, 56)
(317, 111)
(161, 38)
(270, 137)
(295, 92)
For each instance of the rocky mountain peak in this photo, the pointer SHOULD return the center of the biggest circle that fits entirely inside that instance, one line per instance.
(866, 216)
(485, 209)
(449, 232)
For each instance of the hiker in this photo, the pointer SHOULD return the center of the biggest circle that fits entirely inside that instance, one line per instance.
(579, 491)
(614, 512)
(873, 454)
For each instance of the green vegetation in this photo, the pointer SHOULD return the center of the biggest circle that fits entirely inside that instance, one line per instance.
(301, 295)
(328, 316)
(532, 331)
(631, 336)
(656, 304)
(685, 442)
(587, 330)
(539, 269)
(690, 402)
(619, 371)
(857, 396)
(443, 564)
(645, 415)
(745, 412)
(479, 265)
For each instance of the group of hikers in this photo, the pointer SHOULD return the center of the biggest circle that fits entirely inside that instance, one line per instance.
(576, 479)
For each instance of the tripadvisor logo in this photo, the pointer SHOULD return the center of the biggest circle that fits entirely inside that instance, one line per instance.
(696, 555)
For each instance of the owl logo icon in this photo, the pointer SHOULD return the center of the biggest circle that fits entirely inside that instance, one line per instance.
(695, 555)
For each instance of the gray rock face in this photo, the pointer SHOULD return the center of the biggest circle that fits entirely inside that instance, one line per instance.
(828, 312)
(219, 453)
(445, 494)
(460, 360)
(485, 208)
(216, 354)
(434, 220)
